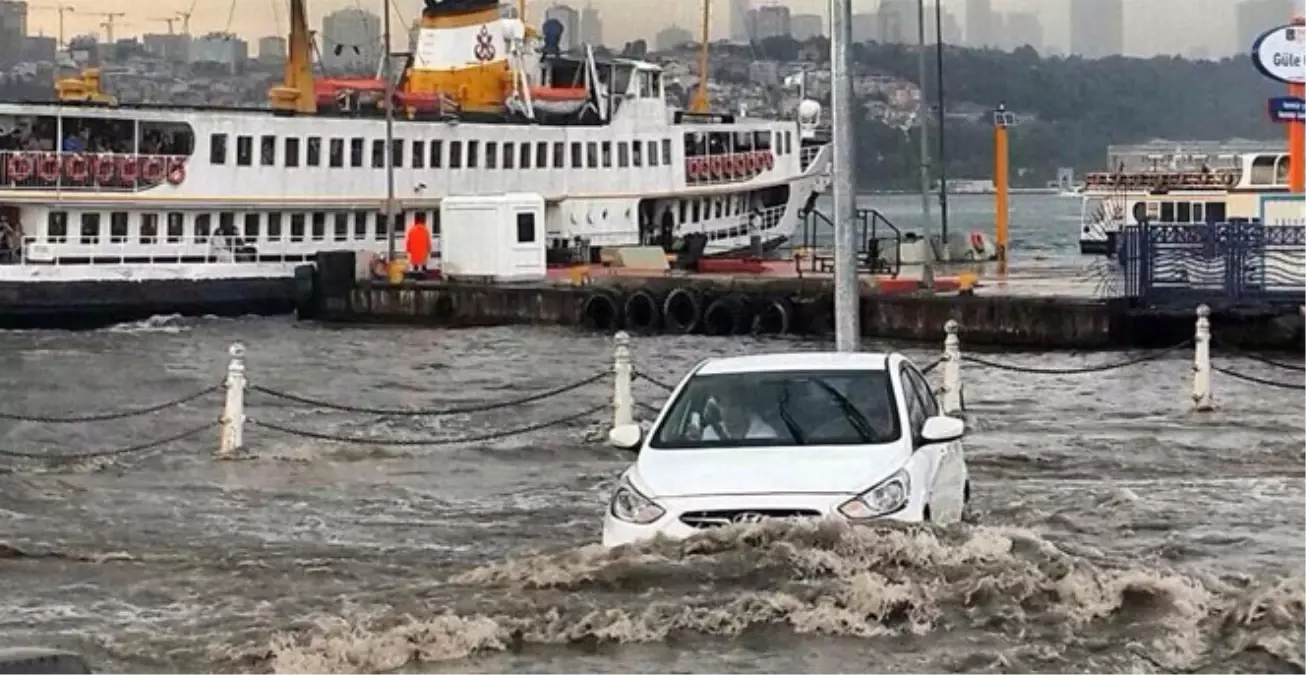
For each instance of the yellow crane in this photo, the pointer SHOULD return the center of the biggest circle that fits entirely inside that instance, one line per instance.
(698, 103)
(168, 20)
(61, 9)
(107, 24)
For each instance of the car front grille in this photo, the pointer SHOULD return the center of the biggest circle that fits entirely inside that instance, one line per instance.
(707, 519)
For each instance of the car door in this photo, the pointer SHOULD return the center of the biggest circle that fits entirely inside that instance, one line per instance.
(926, 458)
(950, 478)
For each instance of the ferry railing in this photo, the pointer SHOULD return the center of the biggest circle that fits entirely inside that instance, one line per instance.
(187, 250)
(879, 243)
(89, 171)
(742, 224)
(807, 155)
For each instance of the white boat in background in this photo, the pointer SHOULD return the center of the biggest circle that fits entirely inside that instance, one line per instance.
(125, 210)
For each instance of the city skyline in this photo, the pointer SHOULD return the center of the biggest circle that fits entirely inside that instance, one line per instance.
(1196, 28)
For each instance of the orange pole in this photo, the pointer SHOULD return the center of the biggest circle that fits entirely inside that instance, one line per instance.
(1297, 137)
(1000, 184)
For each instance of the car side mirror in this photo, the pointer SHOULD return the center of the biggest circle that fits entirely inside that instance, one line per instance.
(626, 437)
(942, 429)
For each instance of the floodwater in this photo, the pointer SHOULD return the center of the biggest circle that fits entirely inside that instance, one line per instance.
(1115, 530)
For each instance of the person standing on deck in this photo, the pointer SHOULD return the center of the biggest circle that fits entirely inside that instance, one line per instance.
(418, 243)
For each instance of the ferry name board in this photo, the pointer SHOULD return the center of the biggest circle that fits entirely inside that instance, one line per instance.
(1280, 54)
(1288, 109)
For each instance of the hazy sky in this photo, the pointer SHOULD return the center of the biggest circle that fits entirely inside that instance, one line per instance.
(1207, 22)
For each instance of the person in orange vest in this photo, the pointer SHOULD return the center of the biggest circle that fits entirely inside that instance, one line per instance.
(418, 244)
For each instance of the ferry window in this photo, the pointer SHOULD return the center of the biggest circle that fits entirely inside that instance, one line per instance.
(56, 227)
(507, 156)
(274, 227)
(176, 227)
(1183, 212)
(779, 143)
(592, 155)
(636, 153)
(743, 142)
(355, 152)
(252, 222)
(1167, 212)
(683, 206)
(491, 154)
(1215, 212)
(524, 156)
(341, 226)
(1281, 170)
(525, 228)
(789, 143)
(360, 224)
(623, 155)
(378, 154)
(472, 148)
(203, 227)
(558, 156)
(292, 152)
(437, 154)
(319, 226)
(382, 222)
(455, 154)
(401, 218)
(1140, 212)
(762, 140)
(336, 153)
(164, 138)
(576, 160)
(1199, 212)
(226, 225)
(541, 155)
(217, 148)
(607, 154)
(244, 150)
(435, 223)
(118, 227)
(666, 151)
(419, 154)
(296, 227)
(149, 228)
(90, 228)
(268, 151)
(653, 153)
(314, 155)
(397, 152)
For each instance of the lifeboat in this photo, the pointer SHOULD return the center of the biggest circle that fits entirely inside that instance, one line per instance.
(325, 90)
(559, 100)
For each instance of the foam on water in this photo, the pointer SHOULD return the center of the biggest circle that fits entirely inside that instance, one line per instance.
(825, 579)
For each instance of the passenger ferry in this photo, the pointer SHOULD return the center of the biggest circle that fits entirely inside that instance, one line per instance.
(110, 208)
(1234, 189)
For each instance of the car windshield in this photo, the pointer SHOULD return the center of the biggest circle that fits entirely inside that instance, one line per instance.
(817, 407)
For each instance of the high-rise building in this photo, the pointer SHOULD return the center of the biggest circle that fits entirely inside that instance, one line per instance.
(897, 21)
(13, 29)
(806, 26)
(591, 27)
(740, 30)
(979, 23)
(570, 20)
(672, 37)
(772, 21)
(1097, 28)
(272, 49)
(168, 46)
(220, 49)
(1257, 16)
(351, 41)
(1021, 29)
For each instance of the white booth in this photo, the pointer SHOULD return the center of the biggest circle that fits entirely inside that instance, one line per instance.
(498, 237)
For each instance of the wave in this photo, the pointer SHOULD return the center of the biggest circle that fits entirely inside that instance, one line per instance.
(826, 579)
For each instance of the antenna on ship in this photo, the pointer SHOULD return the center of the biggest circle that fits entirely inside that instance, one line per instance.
(698, 103)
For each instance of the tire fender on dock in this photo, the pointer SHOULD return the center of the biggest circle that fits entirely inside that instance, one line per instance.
(643, 311)
(682, 310)
(306, 292)
(602, 311)
(728, 315)
(774, 316)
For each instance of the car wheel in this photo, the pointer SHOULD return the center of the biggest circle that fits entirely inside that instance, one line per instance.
(968, 514)
(925, 514)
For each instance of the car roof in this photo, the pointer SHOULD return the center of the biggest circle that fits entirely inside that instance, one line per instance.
(763, 363)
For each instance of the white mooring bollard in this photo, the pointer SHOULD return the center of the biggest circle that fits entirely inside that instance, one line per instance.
(623, 401)
(951, 368)
(233, 411)
(1202, 361)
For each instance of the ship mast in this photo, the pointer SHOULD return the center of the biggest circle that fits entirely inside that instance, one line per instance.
(296, 93)
(699, 102)
(388, 73)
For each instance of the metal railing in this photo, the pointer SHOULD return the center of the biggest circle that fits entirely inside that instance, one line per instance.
(741, 225)
(164, 251)
(879, 243)
(807, 155)
(88, 171)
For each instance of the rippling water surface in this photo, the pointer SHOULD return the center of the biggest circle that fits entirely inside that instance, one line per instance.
(1116, 530)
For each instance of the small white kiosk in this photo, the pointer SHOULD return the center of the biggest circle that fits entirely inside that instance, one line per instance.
(496, 237)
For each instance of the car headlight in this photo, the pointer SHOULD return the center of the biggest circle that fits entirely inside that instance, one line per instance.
(632, 507)
(889, 496)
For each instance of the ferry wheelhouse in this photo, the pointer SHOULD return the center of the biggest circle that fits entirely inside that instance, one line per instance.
(94, 191)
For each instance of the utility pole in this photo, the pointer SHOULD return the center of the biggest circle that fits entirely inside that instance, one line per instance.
(698, 103)
(923, 118)
(847, 291)
(938, 84)
(388, 69)
(108, 24)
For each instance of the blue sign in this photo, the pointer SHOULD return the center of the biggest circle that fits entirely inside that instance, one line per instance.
(1288, 109)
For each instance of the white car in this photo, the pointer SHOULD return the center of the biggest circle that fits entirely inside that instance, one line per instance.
(856, 436)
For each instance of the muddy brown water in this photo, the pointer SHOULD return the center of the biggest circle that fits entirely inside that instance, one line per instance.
(1116, 530)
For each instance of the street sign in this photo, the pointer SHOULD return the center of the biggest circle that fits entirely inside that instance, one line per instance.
(1287, 109)
(1280, 54)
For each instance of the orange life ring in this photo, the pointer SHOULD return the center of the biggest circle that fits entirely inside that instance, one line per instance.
(176, 171)
(105, 168)
(754, 162)
(152, 169)
(716, 166)
(48, 167)
(129, 168)
(770, 160)
(977, 241)
(1231, 179)
(741, 165)
(76, 166)
(20, 167)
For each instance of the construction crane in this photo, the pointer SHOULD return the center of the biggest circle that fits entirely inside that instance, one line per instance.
(62, 9)
(185, 20)
(107, 24)
(168, 20)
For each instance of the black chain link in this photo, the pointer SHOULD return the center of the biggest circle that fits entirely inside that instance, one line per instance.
(320, 436)
(1074, 371)
(934, 365)
(640, 375)
(655, 409)
(139, 447)
(1276, 364)
(104, 417)
(432, 412)
(1257, 380)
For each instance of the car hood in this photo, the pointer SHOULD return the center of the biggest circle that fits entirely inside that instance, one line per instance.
(806, 469)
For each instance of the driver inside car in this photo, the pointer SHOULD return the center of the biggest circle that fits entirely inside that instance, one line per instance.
(734, 419)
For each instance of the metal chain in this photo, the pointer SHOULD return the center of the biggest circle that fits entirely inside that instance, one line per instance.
(1257, 380)
(317, 435)
(1074, 371)
(655, 409)
(934, 365)
(1276, 364)
(456, 410)
(104, 417)
(139, 447)
(640, 375)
